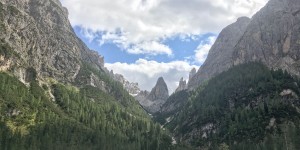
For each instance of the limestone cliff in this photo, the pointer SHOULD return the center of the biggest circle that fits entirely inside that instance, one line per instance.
(273, 37)
(37, 35)
(219, 58)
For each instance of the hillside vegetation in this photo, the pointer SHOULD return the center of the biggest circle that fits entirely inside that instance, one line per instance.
(246, 107)
(79, 118)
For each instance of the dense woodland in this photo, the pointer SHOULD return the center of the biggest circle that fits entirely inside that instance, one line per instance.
(243, 108)
(73, 118)
(176, 101)
(47, 114)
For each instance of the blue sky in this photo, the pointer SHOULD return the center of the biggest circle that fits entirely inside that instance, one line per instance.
(183, 49)
(146, 39)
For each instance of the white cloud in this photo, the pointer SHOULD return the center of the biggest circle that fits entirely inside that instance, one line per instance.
(147, 72)
(152, 48)
(202, 50)
(136, 22)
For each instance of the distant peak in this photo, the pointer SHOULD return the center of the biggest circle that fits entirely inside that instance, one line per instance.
(182, 85)
(242, 19)
(192, 73)
(161, 81)
(181, 79)
(160, 90)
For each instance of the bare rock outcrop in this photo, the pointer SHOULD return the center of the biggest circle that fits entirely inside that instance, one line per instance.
(273, 37)
(182, 85)
(153, 101)
(37, 34)
(219, 58)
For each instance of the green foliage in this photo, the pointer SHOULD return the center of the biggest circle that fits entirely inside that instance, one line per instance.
(114, 88)
(84, 118)
(237, 106)
(223, 146)
(176, 100)
(31, 74)
(2, 26)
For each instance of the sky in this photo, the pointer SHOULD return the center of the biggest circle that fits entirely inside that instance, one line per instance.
(147, 39)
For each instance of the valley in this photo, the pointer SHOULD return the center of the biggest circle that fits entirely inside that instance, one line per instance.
(57, 93)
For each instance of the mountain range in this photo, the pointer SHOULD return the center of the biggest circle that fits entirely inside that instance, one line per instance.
(55, 93)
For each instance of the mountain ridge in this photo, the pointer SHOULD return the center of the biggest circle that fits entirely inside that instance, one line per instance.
(56, 92)
(219, 58)
(270, 36)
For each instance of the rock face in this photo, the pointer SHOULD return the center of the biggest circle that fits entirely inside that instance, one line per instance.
(182, 86)
(160, 90)
(41, 37)
(273, 37)
(153, 101)
(141, 97)
(219, 58)
(192, 73)
(132, 88)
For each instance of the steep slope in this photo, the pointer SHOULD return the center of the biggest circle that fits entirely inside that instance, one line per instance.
(41, 37)
(174, 104)
(219, 58)
(80, 118)
(55, 92)
(246, 107)
(273, 37)
(249, 106)
(156, 98)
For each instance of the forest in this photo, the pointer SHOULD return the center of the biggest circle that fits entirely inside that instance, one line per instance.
(247, 107)
(53, 115)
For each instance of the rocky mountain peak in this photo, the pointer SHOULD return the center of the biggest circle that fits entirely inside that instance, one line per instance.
(272, 37)
(219, 58)
(45, 42)
(182, 85)
(243, 20)
(160, 91)
(153, 101)
(192, 73)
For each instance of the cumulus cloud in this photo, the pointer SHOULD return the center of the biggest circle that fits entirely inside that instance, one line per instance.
(139, 25)
(202, 50)
(142, 26)
(147, 72)
(152, 48)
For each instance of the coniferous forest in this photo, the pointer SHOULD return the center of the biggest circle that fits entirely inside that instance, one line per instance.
(247, 107)
(56, 93)
(79, 118)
